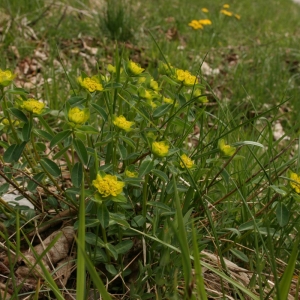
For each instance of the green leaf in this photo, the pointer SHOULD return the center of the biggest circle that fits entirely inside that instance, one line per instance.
(138, 221)
(101, 111)
(119, 198)
(119, 219)
(111, 269)
(18, 91)
(26, 131)
(81, 150)
(37, 177)
(133, 181)
(4, 188)
(146, 167)
(76, 100)
(124, 246)
(113, 85)
(87, 129)
(50, 166)
(103, 215)
(161, 110)
(60, 137)
(163, 176)
(14, 152)
(128, 141)
(47, 136)
(61, 152)
(93, 239)
(239, 254)
(282, 214)
(169, 80)
(122, 151)
(18, 114)
(111, 249)
(77, 174)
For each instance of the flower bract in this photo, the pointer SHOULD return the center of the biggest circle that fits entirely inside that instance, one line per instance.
(6, 77)
(78, 116)
(295, 185)
(186, 162)
(134, 68)
(227, 150)
(122, 123)
(160, 148)
(33, 106)
(131, 174)
(108, 185)
(92, 84)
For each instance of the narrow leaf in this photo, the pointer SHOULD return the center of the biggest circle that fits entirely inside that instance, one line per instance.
(77, 174)
(50, 166)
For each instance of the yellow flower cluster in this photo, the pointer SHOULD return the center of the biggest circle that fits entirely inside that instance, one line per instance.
(33, 106)
(160, 148)
(186, 77)
(122, 123)
(92, 84)
(186, 162)
(227, 150)
(199, 24)
(134, 68)
(228, 13)
(295, 185)
(169, 101)
(5, 122)
(6, 77)
(78, 116)
(205, 10)
(131, 174)
(108, 185)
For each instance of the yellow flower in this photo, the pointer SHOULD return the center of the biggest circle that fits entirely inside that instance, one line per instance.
(145, 94)
(92, 84)
(205, 10)
(33, 106)
(160, 148)
(6, 77)
(195, 25)
(294, 185)
(205, 22)
(154, 85)
(227, 150)
(186, 162)
(108, 185)
(131, 174)
(169, 101)
(78, 116)
(134, 68)
(198, 93)
(226, 6)
(122, 123)
(5, 122)
(186, 77)
(226, 12)
(237, 16)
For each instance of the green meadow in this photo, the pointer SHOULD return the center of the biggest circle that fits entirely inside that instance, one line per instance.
(149, 150)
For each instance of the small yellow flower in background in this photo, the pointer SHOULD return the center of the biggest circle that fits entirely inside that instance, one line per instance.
(5, 122)
(205, 22)
(226, 12)
(169, 101)
(33, 106)
(154, 85)
(227, 150)
(108, 185)
(92, 84)
(160, 148)
(122, 123)
(78, 116)
(197, 93)
(151, 103)
(195, 25)
(226, 6)
(145, 94)
(6, 77)
(205, 10)
(110, 68)
(187, 162)
(237, 16)
(134, 68)
(131, 174)
(295, 185)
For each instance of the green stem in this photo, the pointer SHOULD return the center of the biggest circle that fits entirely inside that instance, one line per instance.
(145, 196)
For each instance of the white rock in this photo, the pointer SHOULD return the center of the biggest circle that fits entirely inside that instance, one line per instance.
(11, 199)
